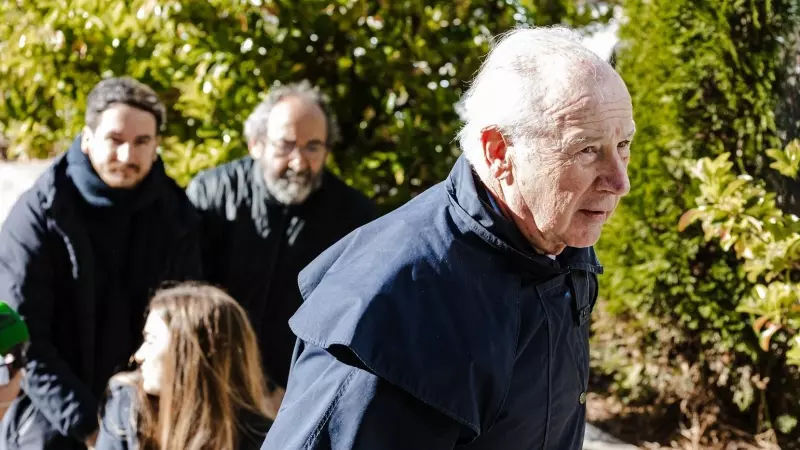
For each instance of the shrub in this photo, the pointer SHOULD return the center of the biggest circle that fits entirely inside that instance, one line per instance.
(701, 73)
(741, 215)
(393, 70)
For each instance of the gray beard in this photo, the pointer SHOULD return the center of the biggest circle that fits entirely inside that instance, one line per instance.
(290, 190)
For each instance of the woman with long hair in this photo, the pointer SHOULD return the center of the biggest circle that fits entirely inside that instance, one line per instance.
(199, 384)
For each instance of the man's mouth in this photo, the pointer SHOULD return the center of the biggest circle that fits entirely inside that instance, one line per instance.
(125, 170)
(596, 215)
(297, 178)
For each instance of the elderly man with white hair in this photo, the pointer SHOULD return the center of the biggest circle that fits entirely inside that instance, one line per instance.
(461, 320)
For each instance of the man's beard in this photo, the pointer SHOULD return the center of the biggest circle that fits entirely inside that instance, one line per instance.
(293, 188)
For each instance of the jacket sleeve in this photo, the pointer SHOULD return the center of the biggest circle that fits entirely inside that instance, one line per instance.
(196, 191)
(331, 403)
(26, 284)
(202, 197)
(116, 425)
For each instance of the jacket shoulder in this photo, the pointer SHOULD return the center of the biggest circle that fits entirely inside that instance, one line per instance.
(178, 206)
(355, 202)
(212, 188)
(117, 419)
(234, 170)
(409, 298)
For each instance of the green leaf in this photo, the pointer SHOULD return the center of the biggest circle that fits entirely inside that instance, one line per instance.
(786, 423)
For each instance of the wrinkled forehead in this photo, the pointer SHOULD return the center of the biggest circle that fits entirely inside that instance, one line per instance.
(588, 94)
(295, 118)
(583, 82)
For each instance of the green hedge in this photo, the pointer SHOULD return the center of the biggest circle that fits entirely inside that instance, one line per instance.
(393, 70)
(701, 74)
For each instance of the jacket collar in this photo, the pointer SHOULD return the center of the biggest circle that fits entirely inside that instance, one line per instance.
(469, 195)
(59, 197)
(99, 196)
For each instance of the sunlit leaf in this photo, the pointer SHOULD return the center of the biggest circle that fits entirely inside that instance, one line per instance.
(766, 335)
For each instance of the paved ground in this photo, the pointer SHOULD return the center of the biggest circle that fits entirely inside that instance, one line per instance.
(594, 439)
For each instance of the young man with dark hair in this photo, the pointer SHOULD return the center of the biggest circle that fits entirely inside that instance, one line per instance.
(82, 250)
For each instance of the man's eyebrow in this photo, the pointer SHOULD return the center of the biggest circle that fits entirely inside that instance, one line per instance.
(580, 140)
(587, 138)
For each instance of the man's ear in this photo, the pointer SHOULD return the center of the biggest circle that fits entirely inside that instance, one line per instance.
(255, 148)
(158, 146)
(495, 151)
(86, 139)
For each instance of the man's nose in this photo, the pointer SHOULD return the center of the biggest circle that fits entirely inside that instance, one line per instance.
(123, 152)
(615, 179)
(298, 161)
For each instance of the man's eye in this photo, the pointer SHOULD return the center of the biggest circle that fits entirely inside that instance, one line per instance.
(589, 150)
(623, 144)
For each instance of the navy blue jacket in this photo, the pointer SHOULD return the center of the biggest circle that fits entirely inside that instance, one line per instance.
(437, 326)
(48, 272)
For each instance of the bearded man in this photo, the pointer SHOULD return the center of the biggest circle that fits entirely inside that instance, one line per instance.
(268, 215)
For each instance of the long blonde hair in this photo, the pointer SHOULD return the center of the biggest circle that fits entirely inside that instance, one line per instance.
(211, 374)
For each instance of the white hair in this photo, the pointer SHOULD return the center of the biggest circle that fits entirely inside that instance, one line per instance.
(511, 86)
(255, 127)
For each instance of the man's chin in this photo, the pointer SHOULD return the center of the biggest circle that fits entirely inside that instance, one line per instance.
(291, 194)
(292, 191)
(115, 182)
(586, 237)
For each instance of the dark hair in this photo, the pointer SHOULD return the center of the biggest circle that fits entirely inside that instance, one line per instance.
(123, 90)
(255, 127)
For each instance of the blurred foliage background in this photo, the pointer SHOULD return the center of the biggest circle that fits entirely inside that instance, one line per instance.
(700, 308)
(708, 78)
(393, 70)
